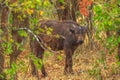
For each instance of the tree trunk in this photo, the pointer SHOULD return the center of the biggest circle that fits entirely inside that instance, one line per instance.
(90, 32)
(62, 10)
(74, 9)
(118, 34)
(118, 51)
(65, 11)
(17, 23)
(4, 23)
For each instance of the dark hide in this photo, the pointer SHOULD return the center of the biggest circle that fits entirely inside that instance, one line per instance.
(70, 36)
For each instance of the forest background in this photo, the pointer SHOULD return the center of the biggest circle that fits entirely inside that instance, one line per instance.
(97, 59)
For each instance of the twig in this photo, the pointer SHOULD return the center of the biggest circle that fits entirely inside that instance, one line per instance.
(39, 40)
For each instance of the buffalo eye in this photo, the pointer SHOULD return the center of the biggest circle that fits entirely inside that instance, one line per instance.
(72, 31)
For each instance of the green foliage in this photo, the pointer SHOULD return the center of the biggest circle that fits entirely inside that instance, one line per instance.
(2, 76)
(35, 10)
(19, 46)
(62, 1)
(47, 10)
(7, 47)
(95, 72)
(60, 57)
(22, 33)
(107, 20)
(12, 71)
(111, 42)
(105, 15)
(99, 66)
(49, 31)
(118, 63)
(37, 61)
(47, 53)
(1, 32)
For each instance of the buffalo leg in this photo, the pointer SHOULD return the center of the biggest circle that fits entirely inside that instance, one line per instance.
(40, 55)
(68, 61)
(33, 68)
(34, 51)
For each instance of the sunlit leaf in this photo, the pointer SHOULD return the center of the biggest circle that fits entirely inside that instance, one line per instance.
(62, 1)
(41, 13)
(22, 33)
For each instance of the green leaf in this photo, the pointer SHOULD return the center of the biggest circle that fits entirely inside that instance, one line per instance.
(98, 9)
(60, 57)
(22, 33)
(38, 62)
(49, 31)
(118, 63)
(9, 48)
(110, 40)
(46, 3)
(1, 31)
(1, 77)
(62, 1)
(119, 39)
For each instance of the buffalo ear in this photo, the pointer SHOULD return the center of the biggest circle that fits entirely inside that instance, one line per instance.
(72, 30)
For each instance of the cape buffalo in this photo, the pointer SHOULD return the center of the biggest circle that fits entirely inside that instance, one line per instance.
(70, 36)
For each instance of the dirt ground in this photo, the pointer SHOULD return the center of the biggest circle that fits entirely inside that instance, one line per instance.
(88, 64)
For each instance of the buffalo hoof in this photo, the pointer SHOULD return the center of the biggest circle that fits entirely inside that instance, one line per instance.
(44, 75)
(68, 72)
(34, 73)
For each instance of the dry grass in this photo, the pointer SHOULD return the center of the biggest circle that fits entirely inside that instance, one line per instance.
(88, 65)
